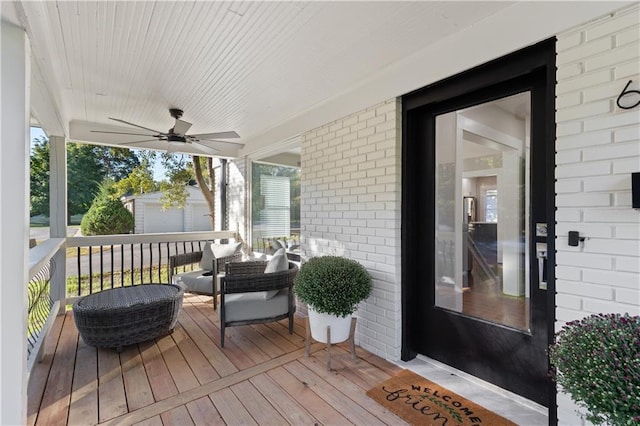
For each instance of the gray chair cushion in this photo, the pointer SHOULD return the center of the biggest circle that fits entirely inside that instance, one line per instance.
(194, 282)
(251, 306)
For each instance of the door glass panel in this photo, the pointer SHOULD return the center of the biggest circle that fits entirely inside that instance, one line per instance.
(482, 220)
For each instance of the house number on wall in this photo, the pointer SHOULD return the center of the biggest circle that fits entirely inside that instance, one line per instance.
(625, 92)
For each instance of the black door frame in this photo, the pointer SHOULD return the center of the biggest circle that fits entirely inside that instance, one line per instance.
(418, 212)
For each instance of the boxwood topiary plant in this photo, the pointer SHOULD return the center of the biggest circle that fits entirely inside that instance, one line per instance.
(332, 284)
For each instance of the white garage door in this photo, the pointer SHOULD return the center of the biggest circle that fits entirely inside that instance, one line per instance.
(201, 221)
(158, 220)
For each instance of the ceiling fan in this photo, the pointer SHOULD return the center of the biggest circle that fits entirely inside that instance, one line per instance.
(176, 135)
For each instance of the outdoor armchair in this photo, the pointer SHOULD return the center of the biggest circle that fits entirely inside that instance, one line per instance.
(202, 280)
(248, 295)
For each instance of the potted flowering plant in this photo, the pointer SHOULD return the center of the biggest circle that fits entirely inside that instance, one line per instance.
(597, 361)
(332, 287)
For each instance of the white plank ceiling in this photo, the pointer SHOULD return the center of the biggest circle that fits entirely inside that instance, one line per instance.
(243, 66)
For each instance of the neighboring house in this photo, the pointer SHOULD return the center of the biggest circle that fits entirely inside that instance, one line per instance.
(151, 217)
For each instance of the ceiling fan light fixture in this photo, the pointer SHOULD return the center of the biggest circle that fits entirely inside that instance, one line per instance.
(174, 146)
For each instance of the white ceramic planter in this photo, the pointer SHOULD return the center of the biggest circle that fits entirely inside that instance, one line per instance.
(318, 322)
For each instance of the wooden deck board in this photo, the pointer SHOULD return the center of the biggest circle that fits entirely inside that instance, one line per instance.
(40, 372)
(203, 412)
(291, 410)
(56, 397)
(112, 400)
(160, 379)
(260, 377)
(194, 326)
(306, 397)
(257, 405)
(136, 384)
(153, 421)
(84, 398)
(333, 396)
(231, 409)
(351, 390)
(178, 367)
(203, 371)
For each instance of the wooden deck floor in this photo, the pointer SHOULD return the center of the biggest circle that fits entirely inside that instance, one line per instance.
(260, 377)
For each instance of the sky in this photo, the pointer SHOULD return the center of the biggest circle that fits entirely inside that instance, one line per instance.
(158, 170)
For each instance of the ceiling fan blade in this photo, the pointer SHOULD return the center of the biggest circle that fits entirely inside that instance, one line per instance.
(121, 133)
(221, 135)
(148, 140)
(214, 140)
(136, 125)
(181, 127)
(205, 149)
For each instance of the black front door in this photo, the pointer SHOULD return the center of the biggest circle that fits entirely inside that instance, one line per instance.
(478, 203)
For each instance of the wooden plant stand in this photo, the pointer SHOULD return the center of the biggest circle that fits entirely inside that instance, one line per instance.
(351, 339)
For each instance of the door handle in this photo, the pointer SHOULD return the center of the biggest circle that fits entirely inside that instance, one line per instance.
(541, 254)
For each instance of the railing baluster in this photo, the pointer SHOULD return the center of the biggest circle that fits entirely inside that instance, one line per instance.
(79, 281)
(121, 265)
(101, 267)
(141, 264)
(90, 269)
(132, 268)
(150, 262)
(112, 266)
(160, 262)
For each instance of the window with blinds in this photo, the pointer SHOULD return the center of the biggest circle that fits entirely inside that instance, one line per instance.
(275, 203)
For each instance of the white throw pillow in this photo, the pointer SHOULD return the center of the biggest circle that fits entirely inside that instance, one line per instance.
(278, 263)
(225, 250)
(206, 262)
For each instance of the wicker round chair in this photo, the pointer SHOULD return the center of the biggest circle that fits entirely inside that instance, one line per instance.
(123, 316)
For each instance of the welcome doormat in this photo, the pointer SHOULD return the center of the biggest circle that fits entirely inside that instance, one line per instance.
(421, 402)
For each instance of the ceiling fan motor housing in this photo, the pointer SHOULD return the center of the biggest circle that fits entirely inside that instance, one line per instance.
(172, 137)
(176, 113)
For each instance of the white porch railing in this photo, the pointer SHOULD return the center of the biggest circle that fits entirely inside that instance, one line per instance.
(118, 260)
(100, 263)
(42, 307)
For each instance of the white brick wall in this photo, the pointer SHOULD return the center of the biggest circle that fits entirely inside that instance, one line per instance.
(351, 207)
(351, 188)
(598, 146)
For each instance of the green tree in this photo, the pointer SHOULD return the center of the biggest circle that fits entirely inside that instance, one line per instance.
(107, 215)
(87, 166)
(84, 175)
(39, 178)
(139, 181)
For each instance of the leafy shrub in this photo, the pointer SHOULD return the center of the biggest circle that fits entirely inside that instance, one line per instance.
(332, 284)
(107, 216)
(597, 361)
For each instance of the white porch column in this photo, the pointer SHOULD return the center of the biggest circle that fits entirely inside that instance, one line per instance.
(14, 221)
(58, 214)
